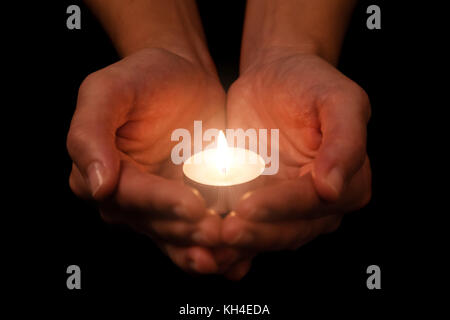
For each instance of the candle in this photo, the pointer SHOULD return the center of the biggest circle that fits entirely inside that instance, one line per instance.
(223, 174)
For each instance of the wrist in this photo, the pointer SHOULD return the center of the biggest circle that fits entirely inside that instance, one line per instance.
(187, 45)
(270, 53)
(193, 51)
(170, 25)
(295, 26)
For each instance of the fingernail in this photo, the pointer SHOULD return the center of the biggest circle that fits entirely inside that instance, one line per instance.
(95, 173)
(196, 192)
(335, 180)
(246, 195)
(242, 238)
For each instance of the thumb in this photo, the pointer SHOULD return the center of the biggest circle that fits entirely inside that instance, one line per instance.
(343, 149)
(91, 139)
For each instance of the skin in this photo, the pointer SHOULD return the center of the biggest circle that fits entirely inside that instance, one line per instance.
(288, 81)
(125, 114)
(119, 138)
(131, 108)
(324, 169)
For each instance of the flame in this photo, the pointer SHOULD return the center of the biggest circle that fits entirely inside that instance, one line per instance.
(222, 153)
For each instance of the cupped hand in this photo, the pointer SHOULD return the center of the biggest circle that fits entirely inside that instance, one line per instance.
(120, 144)
(324, 170)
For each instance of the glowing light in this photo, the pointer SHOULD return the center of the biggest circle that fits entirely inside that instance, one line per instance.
(222, 154)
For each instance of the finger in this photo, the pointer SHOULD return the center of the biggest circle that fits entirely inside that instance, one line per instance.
(150, 196)
(261, 236)
(204, 233)
(226, 257)
(78, 184)
(343, 119)
(192, 259)
(288, 199)
(298, 199)
(101, 109)
(239, 270)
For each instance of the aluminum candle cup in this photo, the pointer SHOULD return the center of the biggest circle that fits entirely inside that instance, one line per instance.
(222, 175)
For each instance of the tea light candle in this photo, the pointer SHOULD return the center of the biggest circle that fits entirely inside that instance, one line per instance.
(223, 174)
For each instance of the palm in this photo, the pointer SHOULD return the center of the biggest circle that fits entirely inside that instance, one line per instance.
(168, 93)
(285, 95)
(321, 116)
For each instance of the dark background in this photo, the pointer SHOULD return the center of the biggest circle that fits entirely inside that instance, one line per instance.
(325, 276)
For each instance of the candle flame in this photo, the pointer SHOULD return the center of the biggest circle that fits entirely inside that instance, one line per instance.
(222, 153)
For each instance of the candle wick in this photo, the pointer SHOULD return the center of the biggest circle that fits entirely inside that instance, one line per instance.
(224, 170)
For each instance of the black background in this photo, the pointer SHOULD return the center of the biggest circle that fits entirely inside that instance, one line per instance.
(325, 276)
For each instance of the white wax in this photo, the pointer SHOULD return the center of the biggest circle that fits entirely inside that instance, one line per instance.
(242, 166)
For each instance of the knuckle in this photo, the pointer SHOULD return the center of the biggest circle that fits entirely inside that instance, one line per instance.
(76, 139)
(77, 186)
(351, 89)
(90, 82)
(363, 102)
(72, 184)
(337, 95)
(366, 197)
(359, 93)
(106, 81)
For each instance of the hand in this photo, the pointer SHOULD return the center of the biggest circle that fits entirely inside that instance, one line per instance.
(120, 144)
(324, 169)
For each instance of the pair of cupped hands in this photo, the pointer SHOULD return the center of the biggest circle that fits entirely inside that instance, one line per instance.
(120, 144)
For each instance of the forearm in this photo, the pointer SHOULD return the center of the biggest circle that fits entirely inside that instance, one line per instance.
(310, 26)
(173, 25)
